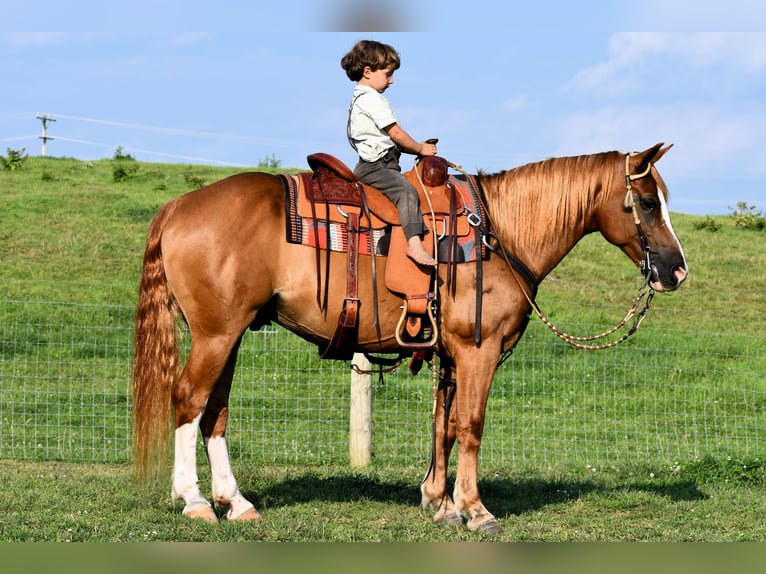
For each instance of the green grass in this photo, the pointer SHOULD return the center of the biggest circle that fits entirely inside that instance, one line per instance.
(709, 501)
(572, 437)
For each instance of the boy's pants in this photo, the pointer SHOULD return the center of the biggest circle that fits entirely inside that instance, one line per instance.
(385, 174)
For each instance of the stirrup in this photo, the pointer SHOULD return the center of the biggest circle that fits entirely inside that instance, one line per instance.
(417, 344)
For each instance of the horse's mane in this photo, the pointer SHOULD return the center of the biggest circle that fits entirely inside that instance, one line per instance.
(526, 203)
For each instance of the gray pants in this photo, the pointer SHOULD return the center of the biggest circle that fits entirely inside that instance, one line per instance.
(385, 174)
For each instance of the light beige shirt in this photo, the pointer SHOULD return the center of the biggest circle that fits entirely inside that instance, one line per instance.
(368, 114)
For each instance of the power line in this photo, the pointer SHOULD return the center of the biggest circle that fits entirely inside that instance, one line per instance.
(149, 152)
(18, 138)
(283, 143)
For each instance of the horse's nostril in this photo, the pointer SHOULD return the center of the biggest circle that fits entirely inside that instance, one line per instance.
(680, 274)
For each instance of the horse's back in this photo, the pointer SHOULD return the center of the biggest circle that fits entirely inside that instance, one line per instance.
(242, 195)
(224, 242)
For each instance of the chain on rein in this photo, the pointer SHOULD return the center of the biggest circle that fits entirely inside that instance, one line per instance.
(642, 300)
(645, 292)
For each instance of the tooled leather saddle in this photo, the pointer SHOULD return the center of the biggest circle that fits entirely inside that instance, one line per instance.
(332, 195)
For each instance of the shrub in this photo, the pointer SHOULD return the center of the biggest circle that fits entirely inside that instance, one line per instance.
(708, 223)
(123, 171)
(120, 155)
(124, 166)
(748, 217)
(15, 159)
(270, 162)
(194, 180)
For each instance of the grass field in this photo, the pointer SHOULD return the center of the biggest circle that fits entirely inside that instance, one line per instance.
(709, 501)
(660, 439)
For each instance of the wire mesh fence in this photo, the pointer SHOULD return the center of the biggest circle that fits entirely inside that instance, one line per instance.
(666, 395)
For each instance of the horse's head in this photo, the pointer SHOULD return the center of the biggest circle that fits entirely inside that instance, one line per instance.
(636, 219)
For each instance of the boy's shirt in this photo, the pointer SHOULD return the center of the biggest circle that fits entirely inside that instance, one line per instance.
(369, 113)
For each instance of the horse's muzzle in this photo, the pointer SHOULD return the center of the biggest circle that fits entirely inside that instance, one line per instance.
(671, 281)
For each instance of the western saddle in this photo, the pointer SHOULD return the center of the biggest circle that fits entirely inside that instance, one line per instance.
(336, 195)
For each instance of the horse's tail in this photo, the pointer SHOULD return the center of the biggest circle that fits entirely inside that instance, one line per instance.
(156, 360)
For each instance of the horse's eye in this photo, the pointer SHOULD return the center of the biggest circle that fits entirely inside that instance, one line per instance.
(648, 203)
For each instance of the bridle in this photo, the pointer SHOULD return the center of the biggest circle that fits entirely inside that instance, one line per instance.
(648, 270)
(645, 292)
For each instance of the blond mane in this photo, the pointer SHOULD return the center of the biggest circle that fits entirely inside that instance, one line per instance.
(552, 196)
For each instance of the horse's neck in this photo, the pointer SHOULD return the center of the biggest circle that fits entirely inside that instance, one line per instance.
(540, 241)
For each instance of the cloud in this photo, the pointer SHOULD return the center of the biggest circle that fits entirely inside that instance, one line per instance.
(24, 40)
(711, 139)
(637, 58)
(190, 39)
(515, 103)
(691, 15)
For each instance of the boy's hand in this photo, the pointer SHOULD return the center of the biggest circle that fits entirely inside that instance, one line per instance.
(428, 147)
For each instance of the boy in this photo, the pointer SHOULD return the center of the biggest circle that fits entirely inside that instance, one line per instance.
(374, 132)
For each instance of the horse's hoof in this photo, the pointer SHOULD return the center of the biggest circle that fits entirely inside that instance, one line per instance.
(453, 519)
(249, 515)
(489, 527)
(204, 513)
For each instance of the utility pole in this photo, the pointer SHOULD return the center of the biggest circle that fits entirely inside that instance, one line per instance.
(45, 119)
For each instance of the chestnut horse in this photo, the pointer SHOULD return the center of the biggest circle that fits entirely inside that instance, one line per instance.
(218, 256)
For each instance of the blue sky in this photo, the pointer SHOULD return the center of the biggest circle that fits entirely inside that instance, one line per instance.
(499, 85)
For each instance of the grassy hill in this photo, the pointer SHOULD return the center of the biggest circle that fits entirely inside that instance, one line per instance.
(85, 221)
(660, 439)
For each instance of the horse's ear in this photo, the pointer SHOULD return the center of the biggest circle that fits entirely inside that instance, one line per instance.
(660, 152)
(651, 156)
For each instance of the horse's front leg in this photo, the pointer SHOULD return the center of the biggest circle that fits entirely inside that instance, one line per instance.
(434, 487)
(474, 379)
(213, 425)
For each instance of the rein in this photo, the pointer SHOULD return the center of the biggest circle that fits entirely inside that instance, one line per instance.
(645, 292)
(522, 275)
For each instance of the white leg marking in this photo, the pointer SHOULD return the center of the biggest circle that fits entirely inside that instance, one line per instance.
(225, 489)
(185, 481)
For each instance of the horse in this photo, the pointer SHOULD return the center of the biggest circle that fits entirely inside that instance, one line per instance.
(217, 258)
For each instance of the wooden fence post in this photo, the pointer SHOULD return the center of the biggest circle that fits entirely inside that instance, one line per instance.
(360, 415)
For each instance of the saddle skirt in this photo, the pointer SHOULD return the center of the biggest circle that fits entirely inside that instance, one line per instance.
(318, 204)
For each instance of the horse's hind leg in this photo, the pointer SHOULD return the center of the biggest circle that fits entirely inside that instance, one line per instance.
(208, 358)
(213, 425)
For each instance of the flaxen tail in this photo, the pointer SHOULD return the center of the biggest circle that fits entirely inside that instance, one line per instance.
(156, 360)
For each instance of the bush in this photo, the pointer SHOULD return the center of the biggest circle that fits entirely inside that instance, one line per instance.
(270, 162)
(748, 217)
(15, 159)
(123, 171)
(124, 166)
(194, 180)
(708, 223)
(120, 155)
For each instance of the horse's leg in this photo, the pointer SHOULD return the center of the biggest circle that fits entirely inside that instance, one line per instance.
(474, 378)
(213, 426)
(434, 487)
(206, 362)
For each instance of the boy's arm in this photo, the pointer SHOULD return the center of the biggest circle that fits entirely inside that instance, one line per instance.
(407, 144)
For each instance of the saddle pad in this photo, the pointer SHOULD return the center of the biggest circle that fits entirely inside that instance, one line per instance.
(330, 235)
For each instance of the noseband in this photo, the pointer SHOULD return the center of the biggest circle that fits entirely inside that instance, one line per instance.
(648, 270)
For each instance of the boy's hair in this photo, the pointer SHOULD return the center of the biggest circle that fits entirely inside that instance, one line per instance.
(376, 55)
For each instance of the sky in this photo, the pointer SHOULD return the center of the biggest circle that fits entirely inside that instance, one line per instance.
(500, 84)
